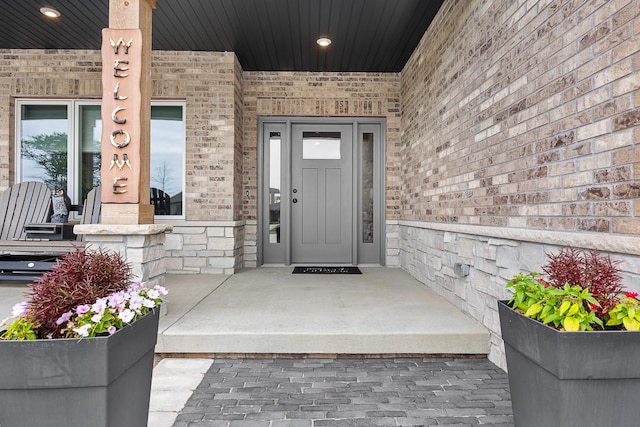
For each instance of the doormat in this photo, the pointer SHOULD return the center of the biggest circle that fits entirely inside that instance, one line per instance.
(326, 270)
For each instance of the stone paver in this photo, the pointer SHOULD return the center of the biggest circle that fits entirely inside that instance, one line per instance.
(174, 381)
(349, 392)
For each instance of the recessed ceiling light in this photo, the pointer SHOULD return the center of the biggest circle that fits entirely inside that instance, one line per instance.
(49, 12)
(323, 41)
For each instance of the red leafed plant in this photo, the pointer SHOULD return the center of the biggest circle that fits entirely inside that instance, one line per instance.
(589, 270)
(80, 277)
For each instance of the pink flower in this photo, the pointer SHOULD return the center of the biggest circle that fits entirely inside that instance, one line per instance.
(116, 300)
(82, 309)
(631, 294)
(111, 329)
(64, 318)
(136, 287)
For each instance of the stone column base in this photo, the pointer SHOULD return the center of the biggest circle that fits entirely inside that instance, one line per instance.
(141, 245)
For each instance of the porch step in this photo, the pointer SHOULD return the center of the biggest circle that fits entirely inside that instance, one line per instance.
(271, 311)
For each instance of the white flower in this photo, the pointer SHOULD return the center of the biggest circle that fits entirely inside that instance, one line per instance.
(153, 293)
(19, 309)
(83, 330)
(96, 318)
(148, 303)
(126, 315)
(161, 289)
(99, 306)
(136, 301)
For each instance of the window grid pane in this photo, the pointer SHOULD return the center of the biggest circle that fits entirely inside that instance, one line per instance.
(44, 144)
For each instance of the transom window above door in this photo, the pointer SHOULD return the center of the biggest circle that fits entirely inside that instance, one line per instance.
(321, 145)
(58, 143)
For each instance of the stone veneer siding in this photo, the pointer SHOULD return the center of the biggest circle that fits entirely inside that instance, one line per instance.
(429, 252)
(143, 246)
(270, 94)
(519, 117)
(210, 247)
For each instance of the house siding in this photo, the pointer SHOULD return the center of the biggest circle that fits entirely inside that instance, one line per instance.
(519, 116)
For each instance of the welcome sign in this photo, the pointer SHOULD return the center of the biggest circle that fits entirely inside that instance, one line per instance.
(121, 104)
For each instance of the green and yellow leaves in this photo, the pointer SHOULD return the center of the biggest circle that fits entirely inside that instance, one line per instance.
(625, 313)
(567, 308)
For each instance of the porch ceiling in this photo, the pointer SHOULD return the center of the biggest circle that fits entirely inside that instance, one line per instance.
(266, 35)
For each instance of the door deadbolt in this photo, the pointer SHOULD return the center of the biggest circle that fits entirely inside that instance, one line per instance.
(295, 190)
(295, 200)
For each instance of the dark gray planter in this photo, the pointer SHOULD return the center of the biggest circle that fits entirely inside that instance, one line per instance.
(570, 378)
(104, 381)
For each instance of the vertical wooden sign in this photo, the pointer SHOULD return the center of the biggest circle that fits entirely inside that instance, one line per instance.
(121, 106)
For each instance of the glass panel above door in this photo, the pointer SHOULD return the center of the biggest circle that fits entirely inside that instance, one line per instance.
(321, 146)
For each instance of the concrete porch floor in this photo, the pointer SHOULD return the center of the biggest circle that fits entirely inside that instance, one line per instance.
(270, 311)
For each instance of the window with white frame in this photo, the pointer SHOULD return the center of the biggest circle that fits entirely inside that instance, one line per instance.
(58, 143)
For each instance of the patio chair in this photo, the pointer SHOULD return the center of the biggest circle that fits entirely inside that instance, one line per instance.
(31, 258)
(91, 209)
(23, 203)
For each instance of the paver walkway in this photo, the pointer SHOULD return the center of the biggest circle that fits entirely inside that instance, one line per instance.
(349, 392)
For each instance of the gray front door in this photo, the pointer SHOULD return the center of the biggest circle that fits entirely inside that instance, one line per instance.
(321, 193)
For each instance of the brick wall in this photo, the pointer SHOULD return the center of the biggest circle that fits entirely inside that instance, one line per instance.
(205, 80)
(238, 139)
(520, 136)
(208, 82)
(525, 114)
(319, 95)
(47, 73)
